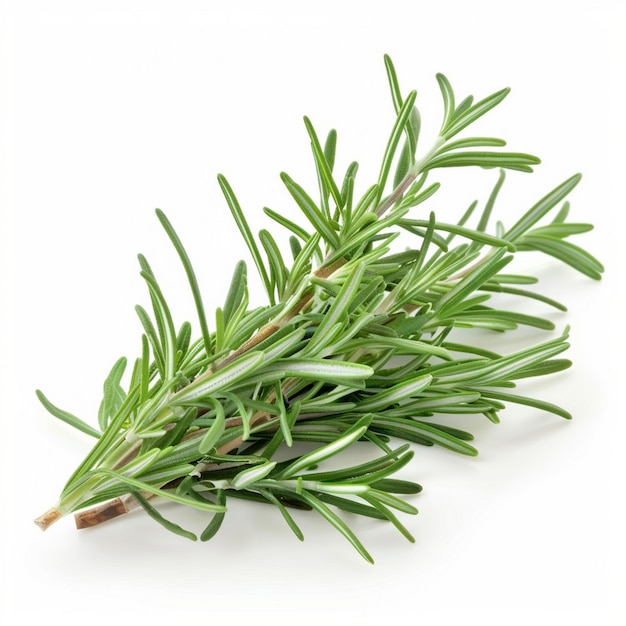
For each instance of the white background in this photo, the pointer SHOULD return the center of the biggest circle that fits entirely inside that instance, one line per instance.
(111, 109)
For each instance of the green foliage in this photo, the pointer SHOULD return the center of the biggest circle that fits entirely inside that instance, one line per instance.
(353, 350)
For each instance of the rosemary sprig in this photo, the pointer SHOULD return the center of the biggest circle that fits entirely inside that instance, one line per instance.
(354, 346)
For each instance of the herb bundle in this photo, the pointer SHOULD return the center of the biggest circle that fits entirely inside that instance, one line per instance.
(354, 346)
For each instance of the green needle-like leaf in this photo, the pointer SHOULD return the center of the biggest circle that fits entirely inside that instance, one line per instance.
(113, 394)
(565, 251)
(218, 518)
(335, 521)
(464, 116)
(537, 211)
(155, 515)
(66, 417)
(218, 381)
(244, 228)
(191, 277)
(394, 139)
(321, 454)
(236, 293)
(324, 168)
(320, 222)
(509, 160)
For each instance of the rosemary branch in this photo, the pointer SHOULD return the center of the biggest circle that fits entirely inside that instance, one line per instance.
(353, 347)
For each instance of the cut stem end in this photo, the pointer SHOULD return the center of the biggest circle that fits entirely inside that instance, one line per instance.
(104, 512)
(48, 518)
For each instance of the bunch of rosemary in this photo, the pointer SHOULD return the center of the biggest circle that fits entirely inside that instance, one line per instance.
(353, 345)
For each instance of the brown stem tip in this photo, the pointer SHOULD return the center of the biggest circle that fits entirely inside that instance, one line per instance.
(99, 514)
(48, 518)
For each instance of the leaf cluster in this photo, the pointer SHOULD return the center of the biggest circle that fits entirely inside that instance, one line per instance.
(360, 345)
